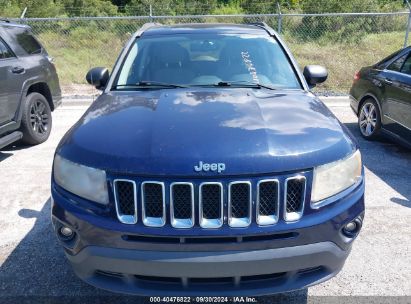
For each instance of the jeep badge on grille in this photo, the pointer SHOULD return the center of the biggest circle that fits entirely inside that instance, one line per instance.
(219, 167)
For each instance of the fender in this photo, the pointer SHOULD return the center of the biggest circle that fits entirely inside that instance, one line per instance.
(26, 85)
(377, 100)
(16, 122)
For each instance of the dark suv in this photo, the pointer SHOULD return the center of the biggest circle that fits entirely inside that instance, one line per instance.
(29, 87)
(207, 167)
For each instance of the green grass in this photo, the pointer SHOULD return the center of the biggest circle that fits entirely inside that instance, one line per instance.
(74, 56)
(343, 60)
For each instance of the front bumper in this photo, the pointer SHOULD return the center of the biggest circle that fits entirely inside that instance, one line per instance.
(226, 261)
(354, 104)
(226, 273)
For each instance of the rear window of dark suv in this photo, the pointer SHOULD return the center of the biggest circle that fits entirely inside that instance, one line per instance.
(28, 43)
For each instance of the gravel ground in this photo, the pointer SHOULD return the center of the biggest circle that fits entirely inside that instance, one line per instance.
(33, 265)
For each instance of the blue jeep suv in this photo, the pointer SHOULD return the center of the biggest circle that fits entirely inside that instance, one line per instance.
(207, 167)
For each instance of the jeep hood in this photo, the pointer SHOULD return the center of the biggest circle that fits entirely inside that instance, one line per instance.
(167, 132)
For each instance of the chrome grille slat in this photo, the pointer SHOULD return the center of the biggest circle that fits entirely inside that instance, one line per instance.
(268, 202)
(239, 204)
(294, 198)
(182, 205)
(125, 197)
(153, 203)
(211, 205)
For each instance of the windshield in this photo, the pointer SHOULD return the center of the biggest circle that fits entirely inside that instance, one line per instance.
(201, 59)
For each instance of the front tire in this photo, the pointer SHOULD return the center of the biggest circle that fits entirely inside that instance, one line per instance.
(369, 119)
(36, 121)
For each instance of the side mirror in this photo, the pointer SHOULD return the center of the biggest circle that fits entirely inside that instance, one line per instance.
(98, 77)
(315, 74)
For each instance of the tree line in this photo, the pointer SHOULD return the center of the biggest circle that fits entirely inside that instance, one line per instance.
(75, 8)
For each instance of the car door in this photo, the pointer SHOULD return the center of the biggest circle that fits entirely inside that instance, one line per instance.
(11, 82)
(397, 83)
(403, 111)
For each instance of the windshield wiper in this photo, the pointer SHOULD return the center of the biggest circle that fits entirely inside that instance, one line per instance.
(150, 84)
(245, 83)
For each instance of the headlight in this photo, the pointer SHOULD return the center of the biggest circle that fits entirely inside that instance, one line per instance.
(83, 181)
(333, 178)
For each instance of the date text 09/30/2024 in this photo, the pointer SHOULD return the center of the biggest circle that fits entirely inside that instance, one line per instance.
(203, 300)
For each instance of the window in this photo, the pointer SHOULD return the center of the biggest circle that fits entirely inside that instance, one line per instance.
(406, 68)
(28, 43)
(4, 51)
(383, 63)
(397, 64)
(207, 59)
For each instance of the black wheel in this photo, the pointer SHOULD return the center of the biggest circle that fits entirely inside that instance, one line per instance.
(36, 120)
(369, 119)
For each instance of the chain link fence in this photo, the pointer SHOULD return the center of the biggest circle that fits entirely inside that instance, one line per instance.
(341, 42)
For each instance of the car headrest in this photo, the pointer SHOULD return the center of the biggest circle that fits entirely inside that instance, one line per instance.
(171, 54)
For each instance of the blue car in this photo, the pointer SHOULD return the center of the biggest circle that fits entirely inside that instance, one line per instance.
(207, 167)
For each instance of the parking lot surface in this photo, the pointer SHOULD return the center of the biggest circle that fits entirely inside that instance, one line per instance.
(33, 264)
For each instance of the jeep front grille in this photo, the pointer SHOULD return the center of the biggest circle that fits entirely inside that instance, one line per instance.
(211, 204)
